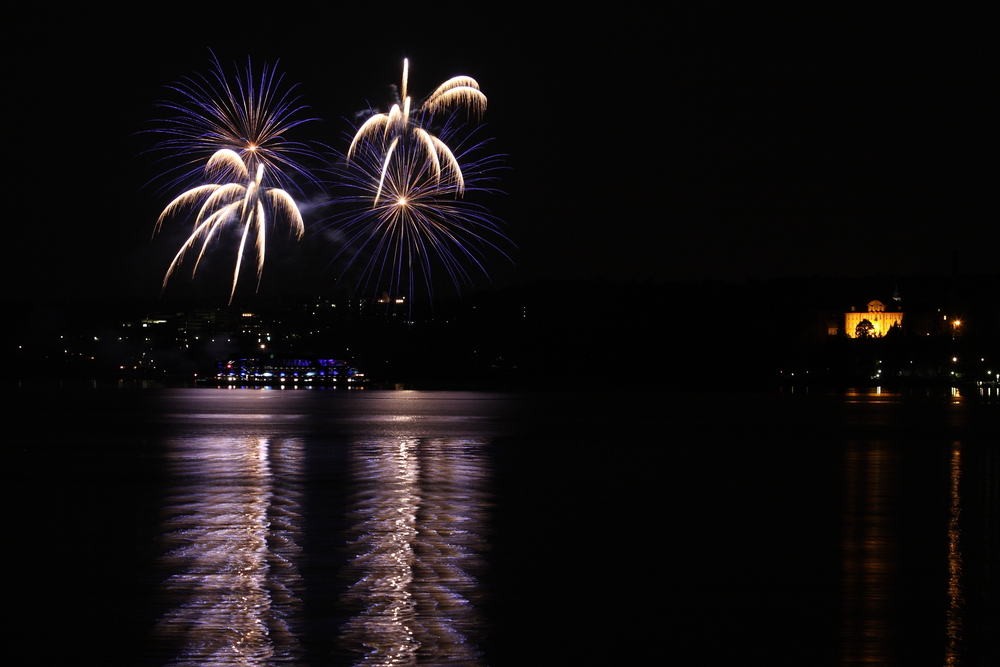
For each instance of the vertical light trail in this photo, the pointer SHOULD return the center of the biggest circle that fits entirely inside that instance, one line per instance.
(955, 599)
(232, 557)
(419, 516)
(868, 555)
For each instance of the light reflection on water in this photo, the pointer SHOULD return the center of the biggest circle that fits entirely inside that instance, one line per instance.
(418, 513)
(955, 600)
(233, 529)
(414, 475)
(869, 553)
(877, 562)
(417, 508)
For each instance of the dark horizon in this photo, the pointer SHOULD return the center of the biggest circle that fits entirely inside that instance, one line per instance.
(703, 334)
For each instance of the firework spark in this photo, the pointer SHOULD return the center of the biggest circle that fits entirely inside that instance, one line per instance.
(248, 115)
(406, 125)
(242, 204)
(409, 216)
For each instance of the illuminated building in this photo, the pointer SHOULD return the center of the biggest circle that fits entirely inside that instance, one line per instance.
(876, 321)
(271, 370)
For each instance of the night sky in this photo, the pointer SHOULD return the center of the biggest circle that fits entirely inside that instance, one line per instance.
(664, 146)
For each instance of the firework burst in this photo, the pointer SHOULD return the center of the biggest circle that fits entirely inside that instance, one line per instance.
(408, 216)
(405, 125)
(242, 204)
(246, 114)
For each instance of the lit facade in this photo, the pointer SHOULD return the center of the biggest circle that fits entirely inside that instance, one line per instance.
(270, 370)
(881, 320)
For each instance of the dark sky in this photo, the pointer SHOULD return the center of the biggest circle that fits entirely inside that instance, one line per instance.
(662, 145)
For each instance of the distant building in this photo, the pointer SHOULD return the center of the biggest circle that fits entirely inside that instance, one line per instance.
(874, 323)
(933, 323)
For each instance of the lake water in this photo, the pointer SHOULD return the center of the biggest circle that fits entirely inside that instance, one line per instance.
(254, 526)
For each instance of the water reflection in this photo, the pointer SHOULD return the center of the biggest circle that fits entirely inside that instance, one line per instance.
(233, 529)
(955, 600)
(418, 518)
(869, 551)
(871, 395)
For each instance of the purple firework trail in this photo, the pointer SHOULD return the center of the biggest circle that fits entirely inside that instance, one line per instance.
(247, 114)
(237, 163)
(407, 217)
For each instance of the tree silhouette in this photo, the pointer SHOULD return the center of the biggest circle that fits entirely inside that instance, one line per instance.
(865, 329)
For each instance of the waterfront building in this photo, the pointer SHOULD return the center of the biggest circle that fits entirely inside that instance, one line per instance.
(873, 323)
